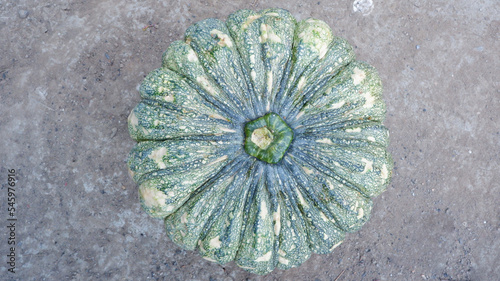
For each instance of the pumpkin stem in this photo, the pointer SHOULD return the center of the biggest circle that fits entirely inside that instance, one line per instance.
(267, 138)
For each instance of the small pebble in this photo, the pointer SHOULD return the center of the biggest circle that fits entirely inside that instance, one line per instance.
(23, 14)
(417, 47)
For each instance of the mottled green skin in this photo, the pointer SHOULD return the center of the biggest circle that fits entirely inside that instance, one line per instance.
(229, 201)
(277, 129)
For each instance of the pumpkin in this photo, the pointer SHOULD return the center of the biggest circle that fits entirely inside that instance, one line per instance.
(260, 140)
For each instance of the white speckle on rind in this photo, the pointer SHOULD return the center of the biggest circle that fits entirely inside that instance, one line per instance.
(220, 159)
(302, 83)
(273, 37)
(355, 206)
(131, 173)
(200, 244)
(307, 170)
(215, 242)
(369, 100)
(299, 115)
(267, 34)
(337, 105)
(281, 252)
(189, 182)
(277, 221)
(335, 246)
(249, 20)
(209, 259)
(325, 141)
(145, 131)
(322, 49)
(361, 212)
(358, 76)
(204, 82)
(371, 139)
(184, 218)
(253, 74)
(368, 165)
(227, 130)
(263, 210)
(217, 116)
(384, 174)
(269, 81)
(157, 157)
(323, 216)
(266, 257)
(353, 130)
(191, 56)
(301, 200)
(224, 39)
(168, 98)
(252, 59)
(132, 119)
(282, 260)
(246, 267)
(152, 197)
(273, 14)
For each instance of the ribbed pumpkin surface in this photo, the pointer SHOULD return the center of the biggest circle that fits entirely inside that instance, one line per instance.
(260, 140)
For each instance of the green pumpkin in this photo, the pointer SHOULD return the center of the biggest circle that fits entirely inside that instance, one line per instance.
(260, 140)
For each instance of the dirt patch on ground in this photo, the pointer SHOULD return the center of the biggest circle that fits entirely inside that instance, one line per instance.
(69, 74)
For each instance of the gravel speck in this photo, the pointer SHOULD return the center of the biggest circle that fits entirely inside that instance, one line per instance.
(23, 14)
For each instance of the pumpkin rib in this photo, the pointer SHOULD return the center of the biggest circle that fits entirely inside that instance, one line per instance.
(323, 234)
(154, 121)
(304, 185)
(213, 188)
(168, 87)
(211, 40)
(311, 38)
(256, 251)
(338, 56)
(223, 228)
(174, 155)
(248, 49)
(337, 211)
(258, 55)
(294, 245)
(359, 135)
(186, 225)
(278, 47)
(300, 156)
(183, 59)
(356, 92)
(328, 169)
(321, 76)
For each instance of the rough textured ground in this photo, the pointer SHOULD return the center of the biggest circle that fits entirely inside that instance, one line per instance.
(68, 79)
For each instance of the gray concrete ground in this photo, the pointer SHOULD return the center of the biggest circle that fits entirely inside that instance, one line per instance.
(68, 78)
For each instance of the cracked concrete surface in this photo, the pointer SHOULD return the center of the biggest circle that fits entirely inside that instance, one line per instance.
(69, 74)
